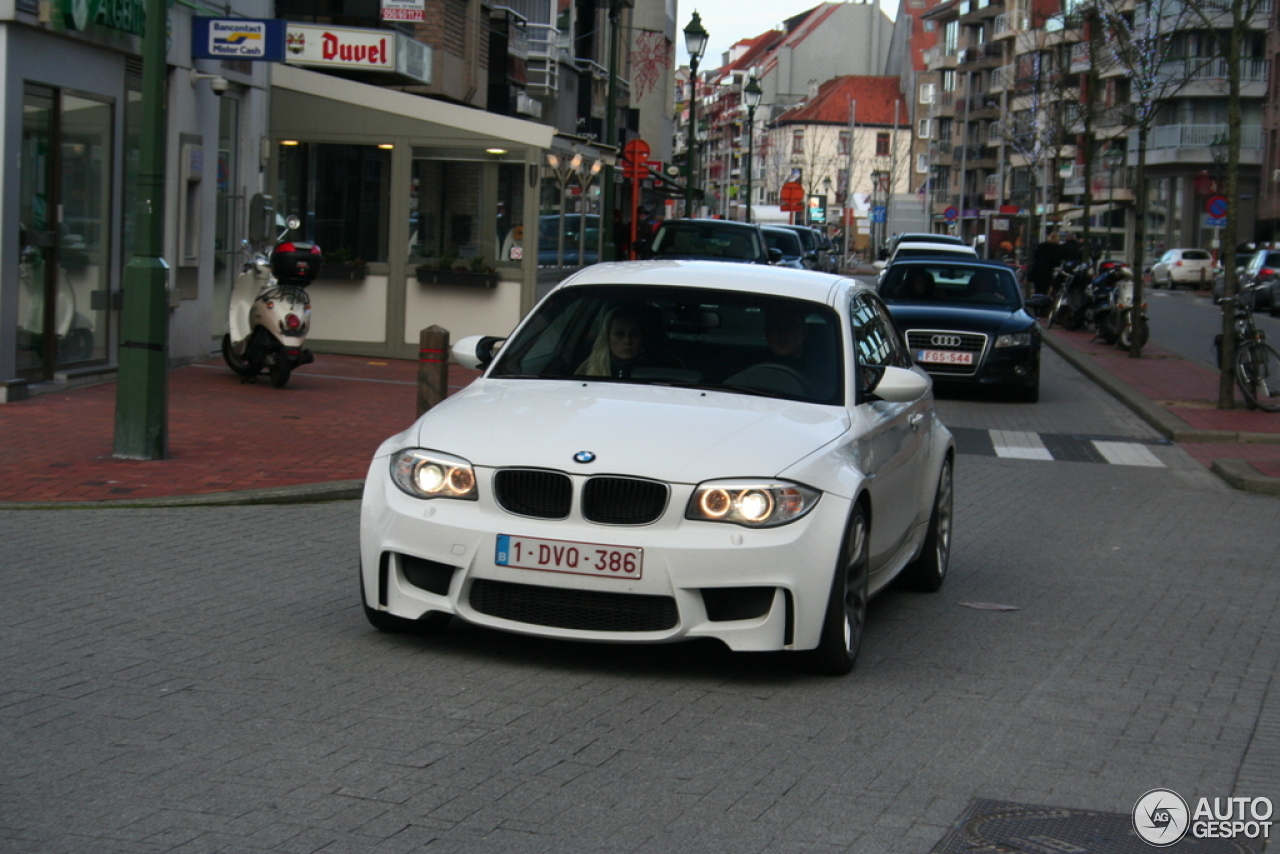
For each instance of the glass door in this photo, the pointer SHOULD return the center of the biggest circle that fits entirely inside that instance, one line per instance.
(64, 213)
(36, 348)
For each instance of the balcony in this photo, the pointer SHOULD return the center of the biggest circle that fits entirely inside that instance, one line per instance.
(1189, 144)
(1010, 24)
(1002, 79)
(1113, 184)
(939, 57)
(543, 67)
(1205, 76)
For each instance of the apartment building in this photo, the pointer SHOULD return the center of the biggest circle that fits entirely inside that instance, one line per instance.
(1035, 122)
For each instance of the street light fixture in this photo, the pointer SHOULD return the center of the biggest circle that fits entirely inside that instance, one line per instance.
(695, 41)
(752, 94)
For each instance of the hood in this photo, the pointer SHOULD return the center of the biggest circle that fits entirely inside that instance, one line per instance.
(988, 321)
(671, 434)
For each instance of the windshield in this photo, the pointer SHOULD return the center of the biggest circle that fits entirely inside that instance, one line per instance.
(704, 338)
(786, 242)
(985, 287)
(713, 240)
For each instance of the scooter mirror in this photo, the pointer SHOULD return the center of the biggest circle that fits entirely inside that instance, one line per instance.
(262, 218)
(293, 222)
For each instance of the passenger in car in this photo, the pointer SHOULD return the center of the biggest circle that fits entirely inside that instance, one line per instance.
(919, 285)
(630, 337)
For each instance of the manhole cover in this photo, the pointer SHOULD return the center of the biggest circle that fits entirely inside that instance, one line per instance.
(1001, 827)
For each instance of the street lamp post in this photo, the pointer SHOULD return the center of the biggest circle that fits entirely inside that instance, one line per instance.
(695, 41)
(585, 179)
(1115, 159)
(752, 95)
(563, 173)
(1218, 148)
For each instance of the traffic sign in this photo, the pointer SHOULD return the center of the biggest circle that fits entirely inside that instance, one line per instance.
(1216, 207)
(792, 196)
(950, 214)
(879, 213)
(1215, 221)
(635, 155)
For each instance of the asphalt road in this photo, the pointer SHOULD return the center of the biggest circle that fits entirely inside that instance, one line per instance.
(203, 680)
(1185, 323)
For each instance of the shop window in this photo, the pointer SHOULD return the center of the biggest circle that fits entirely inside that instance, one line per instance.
(341, 193)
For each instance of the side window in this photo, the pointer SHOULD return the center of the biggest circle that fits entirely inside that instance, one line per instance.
(876, 340)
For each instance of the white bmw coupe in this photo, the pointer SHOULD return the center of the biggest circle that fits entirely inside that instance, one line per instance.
(669, 450)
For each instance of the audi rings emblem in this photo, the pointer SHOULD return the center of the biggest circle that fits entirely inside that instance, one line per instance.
(945, 340)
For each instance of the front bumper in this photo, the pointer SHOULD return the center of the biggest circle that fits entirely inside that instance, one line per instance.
(750, 589)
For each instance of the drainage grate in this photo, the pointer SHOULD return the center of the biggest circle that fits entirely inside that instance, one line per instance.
(1009, 828)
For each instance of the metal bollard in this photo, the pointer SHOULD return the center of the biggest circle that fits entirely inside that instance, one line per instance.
(433, 367)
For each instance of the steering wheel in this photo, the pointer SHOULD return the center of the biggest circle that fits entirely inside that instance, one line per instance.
(773, 378)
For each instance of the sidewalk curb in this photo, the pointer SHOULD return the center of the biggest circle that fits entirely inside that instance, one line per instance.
(338, 490)
(1241, 475)
(1236, 473)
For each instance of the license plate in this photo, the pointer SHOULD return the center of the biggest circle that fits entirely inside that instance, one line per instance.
(944, 357)
(571, 557)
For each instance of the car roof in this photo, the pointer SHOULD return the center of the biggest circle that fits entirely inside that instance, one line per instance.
(730, 223)
(718, 275)
(951, 248)
(927, 237)
(953, 261)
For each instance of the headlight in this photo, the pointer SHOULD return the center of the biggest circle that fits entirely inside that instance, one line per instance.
(426, 474)
(1021, 339)
(754, 504)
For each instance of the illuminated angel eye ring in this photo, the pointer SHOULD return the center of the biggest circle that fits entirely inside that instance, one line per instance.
(755, 505)
(716, 503)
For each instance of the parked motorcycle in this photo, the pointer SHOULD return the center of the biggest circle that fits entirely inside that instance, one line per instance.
(1116, 322)
(270, 310)
(1071, 296)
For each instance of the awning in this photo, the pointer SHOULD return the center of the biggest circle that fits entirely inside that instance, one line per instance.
(322, 107)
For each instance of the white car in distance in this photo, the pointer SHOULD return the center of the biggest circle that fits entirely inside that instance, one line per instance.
(669, 450)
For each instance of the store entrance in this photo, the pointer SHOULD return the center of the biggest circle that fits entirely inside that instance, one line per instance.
(64, 216)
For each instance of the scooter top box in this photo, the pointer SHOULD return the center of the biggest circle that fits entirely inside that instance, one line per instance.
(296, 260)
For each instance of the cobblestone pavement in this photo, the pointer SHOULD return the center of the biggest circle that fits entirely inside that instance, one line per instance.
(202, 680)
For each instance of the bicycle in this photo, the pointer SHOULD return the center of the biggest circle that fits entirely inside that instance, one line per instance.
(1257, 368)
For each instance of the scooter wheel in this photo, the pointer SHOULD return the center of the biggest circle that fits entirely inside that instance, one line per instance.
(279, 373)
(240, 366)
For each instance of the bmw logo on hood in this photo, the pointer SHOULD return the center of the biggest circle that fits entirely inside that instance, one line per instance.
(584, 457)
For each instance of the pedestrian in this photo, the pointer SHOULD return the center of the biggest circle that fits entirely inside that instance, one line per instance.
(1044, 260)
(1072, 251)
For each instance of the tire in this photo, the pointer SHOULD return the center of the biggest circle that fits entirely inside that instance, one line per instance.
(1258, 375)
(1125, 335)
(239, 366)
(279, 371)
(846, 613)
(928, 571)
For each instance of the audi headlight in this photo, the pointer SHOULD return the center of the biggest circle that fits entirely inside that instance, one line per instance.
(753, 504)
(427, 474)
(1020, 339)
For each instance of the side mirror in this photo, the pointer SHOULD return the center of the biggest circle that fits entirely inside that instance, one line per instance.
(879, 265)
(775, 255)
(262, 218)
(476, 351)
(897, 385)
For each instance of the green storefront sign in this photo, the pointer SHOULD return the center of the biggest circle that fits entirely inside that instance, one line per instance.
(125, 15)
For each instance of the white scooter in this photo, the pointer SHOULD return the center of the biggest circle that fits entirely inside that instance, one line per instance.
(270, 310)
(73, 328)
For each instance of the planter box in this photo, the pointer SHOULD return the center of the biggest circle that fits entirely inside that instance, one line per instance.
(344, 272)
(463, 278)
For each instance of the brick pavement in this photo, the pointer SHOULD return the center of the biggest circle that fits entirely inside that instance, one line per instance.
(224, 435)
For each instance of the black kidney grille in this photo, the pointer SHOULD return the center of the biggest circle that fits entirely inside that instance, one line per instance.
(534, 492)
(623, 500)
(584, 610)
